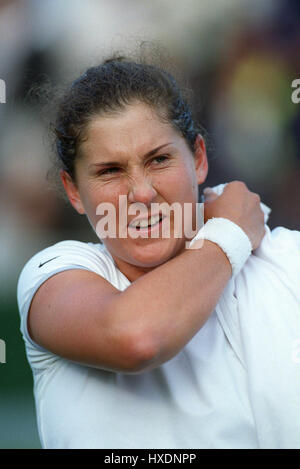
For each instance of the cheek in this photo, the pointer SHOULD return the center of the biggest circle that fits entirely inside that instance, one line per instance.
(180, 184)
(106, 194)
(91, 200)
(191, 178)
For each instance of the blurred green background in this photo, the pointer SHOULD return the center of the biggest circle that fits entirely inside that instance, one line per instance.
(240, 58)
(17, 413)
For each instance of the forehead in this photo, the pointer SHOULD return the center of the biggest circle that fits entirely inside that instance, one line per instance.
(135, 130)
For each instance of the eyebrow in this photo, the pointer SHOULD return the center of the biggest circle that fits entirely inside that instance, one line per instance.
(147, 155)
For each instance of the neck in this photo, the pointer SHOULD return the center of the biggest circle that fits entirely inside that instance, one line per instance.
(131, 272)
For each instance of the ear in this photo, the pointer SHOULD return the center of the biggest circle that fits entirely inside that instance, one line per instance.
(200, 158)
(72, 191)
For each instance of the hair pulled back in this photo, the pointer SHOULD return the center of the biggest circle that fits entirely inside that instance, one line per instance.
(107, 89)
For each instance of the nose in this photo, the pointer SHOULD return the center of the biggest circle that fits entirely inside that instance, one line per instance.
(141, 190)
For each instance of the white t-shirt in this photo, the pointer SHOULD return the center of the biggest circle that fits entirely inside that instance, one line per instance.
(212, 394)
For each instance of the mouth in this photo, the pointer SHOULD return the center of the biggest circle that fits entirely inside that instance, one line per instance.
(146, 225)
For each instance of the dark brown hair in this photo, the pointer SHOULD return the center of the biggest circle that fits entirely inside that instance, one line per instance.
(108, 88)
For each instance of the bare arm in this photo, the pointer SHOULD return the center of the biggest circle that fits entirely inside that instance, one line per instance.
(80, 316)
(171, 303)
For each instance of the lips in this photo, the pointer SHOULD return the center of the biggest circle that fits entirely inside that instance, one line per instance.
(142, 222)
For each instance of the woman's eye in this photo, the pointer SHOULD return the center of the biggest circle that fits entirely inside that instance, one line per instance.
(109, 171)
(160, 159)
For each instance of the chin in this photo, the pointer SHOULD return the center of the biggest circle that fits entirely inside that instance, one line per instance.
(153, 254)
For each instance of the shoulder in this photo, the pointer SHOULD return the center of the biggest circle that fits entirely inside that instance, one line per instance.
(59, 257)
(277, 256)
(68, 248)
(67, 253)
(283, 238)
(279, 244)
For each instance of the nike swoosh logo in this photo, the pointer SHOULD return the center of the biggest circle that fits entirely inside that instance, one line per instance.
(41, 264)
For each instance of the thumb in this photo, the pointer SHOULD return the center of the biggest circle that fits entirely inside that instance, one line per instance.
(209, 195)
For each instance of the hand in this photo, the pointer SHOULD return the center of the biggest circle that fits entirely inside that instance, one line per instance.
(239, 205)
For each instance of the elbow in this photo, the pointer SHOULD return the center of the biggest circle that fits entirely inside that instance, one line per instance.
(141, 353)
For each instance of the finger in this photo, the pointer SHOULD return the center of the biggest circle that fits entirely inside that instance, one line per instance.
(209, 196)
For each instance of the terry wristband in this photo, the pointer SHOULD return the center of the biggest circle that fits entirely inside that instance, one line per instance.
(230, 238)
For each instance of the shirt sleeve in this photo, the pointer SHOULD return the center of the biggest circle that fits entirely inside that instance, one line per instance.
(265, 294)
(280, 250)
(62, 256)
(268, 316)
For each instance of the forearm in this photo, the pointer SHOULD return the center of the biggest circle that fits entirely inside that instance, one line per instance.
(168, 305)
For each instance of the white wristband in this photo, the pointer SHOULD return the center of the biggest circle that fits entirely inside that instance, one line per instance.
(230, 238)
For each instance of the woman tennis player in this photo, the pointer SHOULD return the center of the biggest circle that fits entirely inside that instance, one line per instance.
(153, 341)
